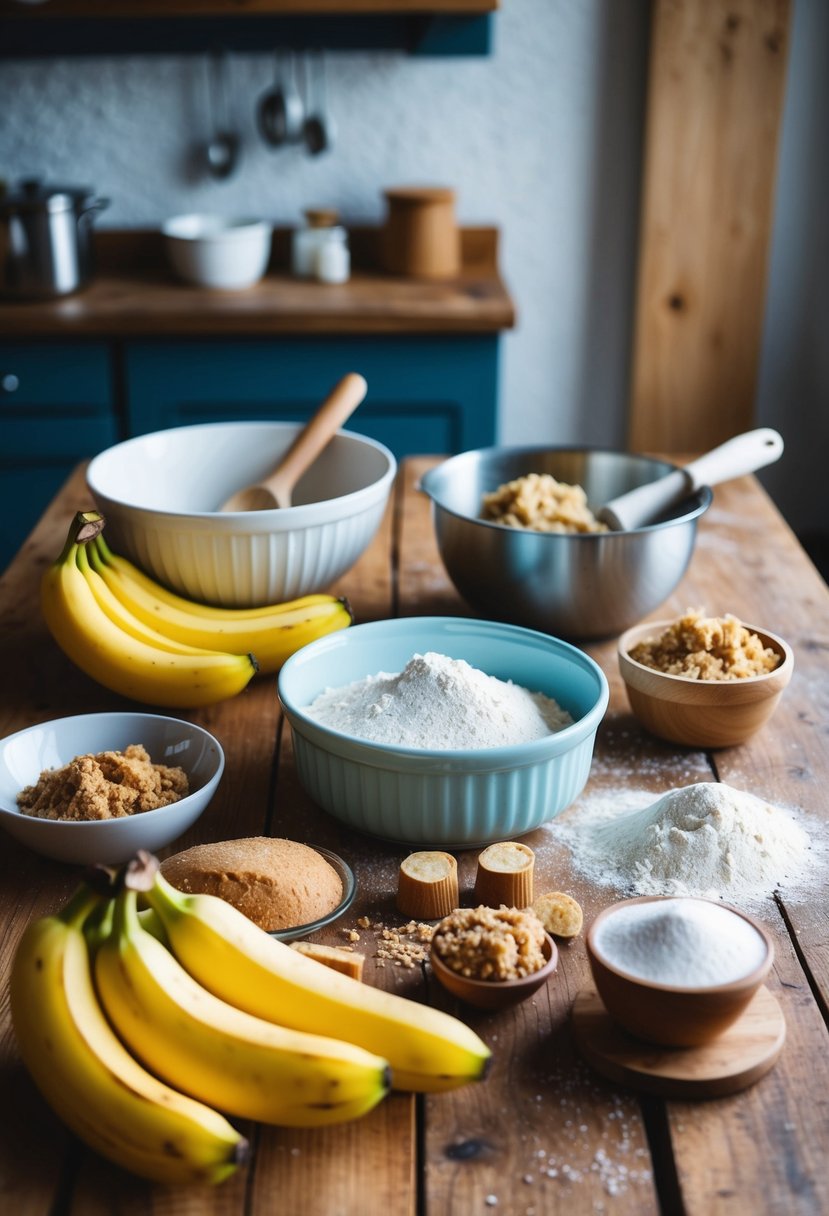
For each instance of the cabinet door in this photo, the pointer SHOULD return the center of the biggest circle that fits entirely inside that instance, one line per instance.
(425, 394)
(55, 410)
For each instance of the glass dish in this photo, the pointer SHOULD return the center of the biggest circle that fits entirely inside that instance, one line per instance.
(349, 891)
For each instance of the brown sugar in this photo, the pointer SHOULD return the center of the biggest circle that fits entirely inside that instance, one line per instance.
(707, 648)
(109, 785)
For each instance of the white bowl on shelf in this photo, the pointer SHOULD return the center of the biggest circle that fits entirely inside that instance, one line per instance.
(217, 251)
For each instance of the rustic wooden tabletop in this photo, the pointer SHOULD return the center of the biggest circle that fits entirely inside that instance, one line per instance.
(544, 1133)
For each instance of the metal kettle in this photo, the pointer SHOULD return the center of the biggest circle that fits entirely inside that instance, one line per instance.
(45, 239)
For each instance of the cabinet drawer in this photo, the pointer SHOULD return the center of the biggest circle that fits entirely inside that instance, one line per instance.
(56, 408)
(425, 394)
(54, 375)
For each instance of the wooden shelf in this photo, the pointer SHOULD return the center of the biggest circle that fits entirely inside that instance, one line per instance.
(135, 294)
(155, 9)
(83, 27)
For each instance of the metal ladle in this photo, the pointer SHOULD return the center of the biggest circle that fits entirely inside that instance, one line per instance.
(274, 491)
(222, 149)
(743, 454)
(280, 113)
(318, 128)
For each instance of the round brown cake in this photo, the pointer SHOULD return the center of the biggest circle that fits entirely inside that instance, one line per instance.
(276, 883)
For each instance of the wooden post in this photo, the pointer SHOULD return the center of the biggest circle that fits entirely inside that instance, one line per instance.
(716, 83)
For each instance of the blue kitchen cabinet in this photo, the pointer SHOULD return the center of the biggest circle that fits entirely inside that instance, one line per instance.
(63, 402)
(425, 393)
(56, 407)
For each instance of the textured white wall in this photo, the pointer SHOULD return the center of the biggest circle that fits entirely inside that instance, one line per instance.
(542, 138)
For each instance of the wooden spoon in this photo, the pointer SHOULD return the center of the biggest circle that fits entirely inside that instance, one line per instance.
(274, 491)
(743, 454)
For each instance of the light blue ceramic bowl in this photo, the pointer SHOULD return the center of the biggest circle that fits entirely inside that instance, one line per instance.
(444, 798)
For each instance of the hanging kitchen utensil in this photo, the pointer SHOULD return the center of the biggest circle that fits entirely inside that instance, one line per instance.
(743, 454)
(318, 128)
(280, 113)
(274, 491)
(224, 145)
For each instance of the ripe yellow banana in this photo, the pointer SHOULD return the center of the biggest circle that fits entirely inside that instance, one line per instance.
(273, 633)
(90, 1079)
(122, 617)
(428, 1050)
(214, 1051)
(135, 668)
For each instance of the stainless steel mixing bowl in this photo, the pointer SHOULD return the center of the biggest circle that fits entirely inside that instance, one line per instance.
(577, 586)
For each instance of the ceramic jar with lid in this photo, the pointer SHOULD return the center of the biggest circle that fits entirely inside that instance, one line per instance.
(420, 237)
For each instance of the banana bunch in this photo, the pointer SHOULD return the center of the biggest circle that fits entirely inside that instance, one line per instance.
(136, 638)
(87, 1075)
(138, 1059)
(214, 1051)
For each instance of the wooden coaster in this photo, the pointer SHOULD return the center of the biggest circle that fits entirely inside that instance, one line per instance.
(736, 1059)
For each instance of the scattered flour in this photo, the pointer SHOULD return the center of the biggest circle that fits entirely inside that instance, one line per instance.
(439, 703)
(705, 839)
(686, 942)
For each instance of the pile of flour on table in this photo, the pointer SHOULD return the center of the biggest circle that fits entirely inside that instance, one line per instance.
(439, 703)
(707, 839)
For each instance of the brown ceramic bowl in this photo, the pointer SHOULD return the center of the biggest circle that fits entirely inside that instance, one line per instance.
(495, 994)
(668, 1014)
(701, 713)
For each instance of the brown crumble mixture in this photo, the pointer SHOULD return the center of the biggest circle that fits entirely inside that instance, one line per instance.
(406, 946)
(542, 504)
(491, 943)
(707, 648)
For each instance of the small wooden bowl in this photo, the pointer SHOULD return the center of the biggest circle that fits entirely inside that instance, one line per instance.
(701, 713)
(495, 994)
(665, 1013)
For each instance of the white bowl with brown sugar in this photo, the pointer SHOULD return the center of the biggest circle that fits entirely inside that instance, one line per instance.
(95, 788)
(704, 681)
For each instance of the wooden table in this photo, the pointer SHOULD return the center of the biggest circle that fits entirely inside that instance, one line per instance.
(543, 1134)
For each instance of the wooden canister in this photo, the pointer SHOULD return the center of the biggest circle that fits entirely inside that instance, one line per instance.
(420, 237)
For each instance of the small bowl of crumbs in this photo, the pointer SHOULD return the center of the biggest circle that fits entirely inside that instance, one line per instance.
(492, 957)
(703, 681)
(287, 888)
(95, 788)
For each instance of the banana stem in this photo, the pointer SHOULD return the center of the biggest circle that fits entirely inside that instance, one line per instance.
(166, 899)
(80, 906)
(125, 922)
(140, 871)
(85, 526)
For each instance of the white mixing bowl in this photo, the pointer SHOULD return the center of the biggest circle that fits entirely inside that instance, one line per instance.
(160, 494)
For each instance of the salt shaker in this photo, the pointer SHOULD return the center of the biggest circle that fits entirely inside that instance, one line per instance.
(307, 240)
(332, 257)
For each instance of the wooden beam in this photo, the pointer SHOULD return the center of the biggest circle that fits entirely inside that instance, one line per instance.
(716, 84)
